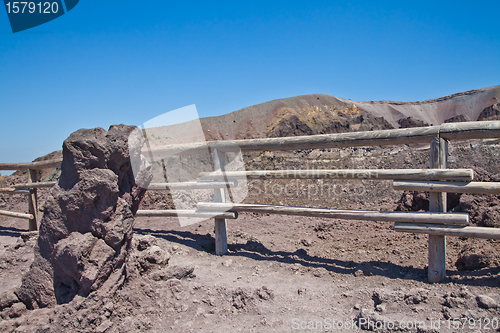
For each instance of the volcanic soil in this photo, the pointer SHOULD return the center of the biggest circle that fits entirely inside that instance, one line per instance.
(285, 273)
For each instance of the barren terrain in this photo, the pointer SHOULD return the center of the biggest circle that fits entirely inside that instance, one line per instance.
(282, 272)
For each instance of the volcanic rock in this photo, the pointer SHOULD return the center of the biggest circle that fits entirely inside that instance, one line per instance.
(476, 254)
(86, 231)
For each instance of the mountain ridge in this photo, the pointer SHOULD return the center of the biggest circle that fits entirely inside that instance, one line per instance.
(322, 113)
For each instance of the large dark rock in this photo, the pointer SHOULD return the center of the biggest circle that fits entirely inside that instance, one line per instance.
(484, 210)
(419, 201)
(86, 230)
(457, 119)
(411, 122)
(476, 254)
(413, 201)
(490, 113)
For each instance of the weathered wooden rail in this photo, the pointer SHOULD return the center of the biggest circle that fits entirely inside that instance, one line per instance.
(14, 214)
(449, 230)
(29, 189)
(32, 165)
(451, 131)
(373, 174)
(221, 214)
(454, 187)
(438, 180)
(346, 214)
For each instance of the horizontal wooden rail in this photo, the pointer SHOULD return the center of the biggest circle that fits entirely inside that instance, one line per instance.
(449, 230)
(19, 215)
(192, 185)
(187, 213)
(32, 165)
(367, 215)
(375, 174)
(13, 191)
(452, 131)
(455, 187)
(470, 130)
(34, 185)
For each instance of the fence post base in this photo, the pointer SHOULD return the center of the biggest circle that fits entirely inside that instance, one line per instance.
(437, 258)
(220, 237)
(219, 160)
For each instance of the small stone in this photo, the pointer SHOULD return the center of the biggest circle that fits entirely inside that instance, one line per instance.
(306, 242)
(28, 236)
(359, 273)
(317, 272)
(210, 301)
(7, 299)
(16, 310)
(152, 256)
(181, 307)
(174, 272)
(264, 293)
(105, 325)
(486, 302)
(143, 242)
(227, 262)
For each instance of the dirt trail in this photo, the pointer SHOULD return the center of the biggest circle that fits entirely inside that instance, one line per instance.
(281, 273)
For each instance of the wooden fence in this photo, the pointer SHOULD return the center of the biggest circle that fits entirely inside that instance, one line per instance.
(438, 180)
(29, 189)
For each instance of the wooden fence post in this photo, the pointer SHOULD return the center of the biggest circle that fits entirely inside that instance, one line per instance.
(437, 203)
(219, 159)
(32, 201)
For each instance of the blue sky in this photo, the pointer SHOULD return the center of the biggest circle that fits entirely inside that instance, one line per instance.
(110, 62)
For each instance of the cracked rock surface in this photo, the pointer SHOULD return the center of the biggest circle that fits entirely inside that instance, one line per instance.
(86, 230)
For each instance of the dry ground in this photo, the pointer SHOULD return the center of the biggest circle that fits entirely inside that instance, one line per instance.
(282, 274)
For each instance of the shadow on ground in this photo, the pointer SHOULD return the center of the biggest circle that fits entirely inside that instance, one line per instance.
(11, 232)
(257, 251)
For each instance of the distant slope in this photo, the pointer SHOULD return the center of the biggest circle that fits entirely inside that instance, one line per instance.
(301, 115)
(318, 114)
(467, 104)
(252, 121)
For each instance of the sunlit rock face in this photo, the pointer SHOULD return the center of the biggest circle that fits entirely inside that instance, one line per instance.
(86, 231)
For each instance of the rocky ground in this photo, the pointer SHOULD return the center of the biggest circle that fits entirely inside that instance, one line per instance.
(285, 273)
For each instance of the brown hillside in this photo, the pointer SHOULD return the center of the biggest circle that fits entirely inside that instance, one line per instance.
(468, 104)
(321, 114)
